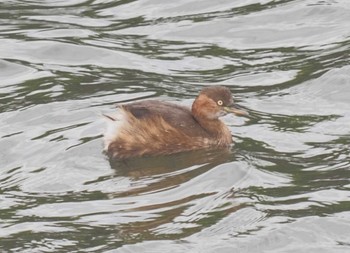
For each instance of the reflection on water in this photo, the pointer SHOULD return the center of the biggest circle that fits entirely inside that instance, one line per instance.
(284, 185)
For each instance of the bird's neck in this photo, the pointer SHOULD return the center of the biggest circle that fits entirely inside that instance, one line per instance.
(215, 128)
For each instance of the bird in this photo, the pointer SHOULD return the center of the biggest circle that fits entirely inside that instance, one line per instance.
(153, 127)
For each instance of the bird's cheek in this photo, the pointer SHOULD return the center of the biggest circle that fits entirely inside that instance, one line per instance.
(215, 114)
(221, 113)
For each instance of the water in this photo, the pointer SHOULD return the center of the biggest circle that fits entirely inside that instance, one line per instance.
(283, 187)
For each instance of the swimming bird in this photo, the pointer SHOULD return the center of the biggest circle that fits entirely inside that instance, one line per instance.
(152, 127)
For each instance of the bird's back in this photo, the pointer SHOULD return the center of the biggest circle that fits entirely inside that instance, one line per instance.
(177, 116)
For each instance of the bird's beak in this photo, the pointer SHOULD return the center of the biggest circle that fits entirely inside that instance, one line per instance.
(236, 110)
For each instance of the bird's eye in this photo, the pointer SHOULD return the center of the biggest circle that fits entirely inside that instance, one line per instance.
(220, 102)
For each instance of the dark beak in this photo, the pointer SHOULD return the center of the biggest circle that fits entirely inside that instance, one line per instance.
(236, 110)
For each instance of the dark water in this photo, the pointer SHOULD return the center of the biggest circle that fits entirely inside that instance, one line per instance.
(284, 186)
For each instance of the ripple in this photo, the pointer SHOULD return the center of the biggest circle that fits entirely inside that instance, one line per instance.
(76, 20)
(276, 28)
(60, 33)
(284, 184)
(13, 73)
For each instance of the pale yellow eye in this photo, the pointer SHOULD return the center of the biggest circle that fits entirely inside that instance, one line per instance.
(220, 102)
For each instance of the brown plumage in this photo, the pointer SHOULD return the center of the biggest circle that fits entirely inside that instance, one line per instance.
(153, 127)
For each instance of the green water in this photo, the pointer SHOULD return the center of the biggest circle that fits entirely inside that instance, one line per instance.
(283, 187)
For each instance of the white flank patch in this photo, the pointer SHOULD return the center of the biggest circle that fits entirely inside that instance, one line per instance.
(113, 127)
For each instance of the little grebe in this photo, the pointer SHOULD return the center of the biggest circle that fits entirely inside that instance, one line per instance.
(153, 127)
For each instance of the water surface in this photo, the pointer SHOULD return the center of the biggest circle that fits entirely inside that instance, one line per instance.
(283, 187)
